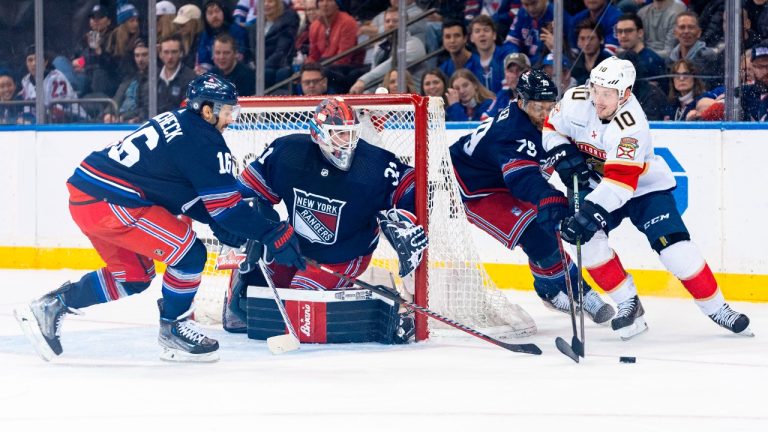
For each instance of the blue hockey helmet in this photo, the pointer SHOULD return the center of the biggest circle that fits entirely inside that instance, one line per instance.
(336, 129)
(535, 85)
(213, 89)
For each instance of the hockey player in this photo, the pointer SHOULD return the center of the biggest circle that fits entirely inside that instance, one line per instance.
(335, 186)
(502, 170)
(125, 199)
(599, 134)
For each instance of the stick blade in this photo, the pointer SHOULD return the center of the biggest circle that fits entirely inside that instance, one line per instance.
(566, 349)
(578, 346)
(282, 344)
(522, 348)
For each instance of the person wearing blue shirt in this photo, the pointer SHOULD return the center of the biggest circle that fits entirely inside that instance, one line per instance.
(605, 15)
(455, 43)
(490, 70)
(525, 34)
(467, 98)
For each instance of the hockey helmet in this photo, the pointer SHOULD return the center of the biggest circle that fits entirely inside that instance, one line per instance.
(535, 85)
(614, 73)
(213, 89)
(336, 129)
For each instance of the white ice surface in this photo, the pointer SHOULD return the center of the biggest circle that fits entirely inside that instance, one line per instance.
(690, 375)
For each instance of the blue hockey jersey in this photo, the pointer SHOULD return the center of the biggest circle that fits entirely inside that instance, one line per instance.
(175, 160)
(504, 153)
(333, 211)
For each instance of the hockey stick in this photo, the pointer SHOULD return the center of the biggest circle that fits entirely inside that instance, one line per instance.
(281, 343)
(394, 296)
(578, 346)
(560, 343)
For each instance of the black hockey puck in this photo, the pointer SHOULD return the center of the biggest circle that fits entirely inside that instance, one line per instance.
(627, 359)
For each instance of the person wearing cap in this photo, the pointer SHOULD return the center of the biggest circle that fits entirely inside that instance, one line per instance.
(566, 80)
(190, 25)
(217, 20)
(121, 41)
(87, 64)
(515, 64)
(166, 14)
(754, 97)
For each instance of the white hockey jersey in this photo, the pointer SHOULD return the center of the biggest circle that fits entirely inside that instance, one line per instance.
(619, 151)
(55, 86)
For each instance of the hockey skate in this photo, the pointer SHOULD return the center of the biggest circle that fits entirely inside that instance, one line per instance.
(182, 341)
(629, 321)
(41, 321)
(734, 321)
(599, 311)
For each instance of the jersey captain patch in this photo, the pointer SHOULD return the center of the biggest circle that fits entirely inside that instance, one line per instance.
(316, 217)
(626, 149)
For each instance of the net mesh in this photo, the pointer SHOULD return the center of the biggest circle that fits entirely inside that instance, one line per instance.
(457, 283)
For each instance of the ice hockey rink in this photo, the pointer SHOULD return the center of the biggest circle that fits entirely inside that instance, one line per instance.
(690, 376)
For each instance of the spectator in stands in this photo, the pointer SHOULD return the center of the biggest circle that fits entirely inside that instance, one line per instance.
(282, 25)
(606, 15)
(419, 29)
(190, 27)
(226, 65)
(590, 42)
(435, 83)
(9, 114)
(753, 31)
(331, 33)
(514, 66)
(547, 45)
(382, 54)
(455, 43)
(629, 30)
(121, 41)
(711, 20)
(686, 90)
(246, 11)
(166, 13)
(390, 83)
(467, 98)
(302, 39)
(218, 19)
(652, 99)
(659, 24)
(566, 80)
(692, 48)
(505, 14)
(174, 76)
(754, 97)
(55, 86)
(482, 34)
(92, 63)
(313, 80)
(132, 97)
(525, 34)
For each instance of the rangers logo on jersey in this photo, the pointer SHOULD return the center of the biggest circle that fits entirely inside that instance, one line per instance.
(316, 217)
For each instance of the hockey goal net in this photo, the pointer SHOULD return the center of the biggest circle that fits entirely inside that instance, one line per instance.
(451, 279)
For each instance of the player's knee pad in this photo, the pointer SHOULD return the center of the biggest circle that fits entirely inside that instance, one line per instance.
(194, 260)
(668, 240)
(683, 259)
(135, 287)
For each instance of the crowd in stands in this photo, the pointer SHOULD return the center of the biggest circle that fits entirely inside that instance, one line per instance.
(677, 47)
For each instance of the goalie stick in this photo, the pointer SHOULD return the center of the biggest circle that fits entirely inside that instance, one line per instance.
(387, 293)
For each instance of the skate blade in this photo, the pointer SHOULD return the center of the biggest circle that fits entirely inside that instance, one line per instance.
(31, 329)
(282, 344)
(179, 356)
(747, 332)
(630, 331)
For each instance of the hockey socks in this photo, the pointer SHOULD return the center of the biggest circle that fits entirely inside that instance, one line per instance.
(613, 279)
(179, 289)
(99, 287)
(684, 260)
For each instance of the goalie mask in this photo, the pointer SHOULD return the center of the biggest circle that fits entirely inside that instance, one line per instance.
(336, 129)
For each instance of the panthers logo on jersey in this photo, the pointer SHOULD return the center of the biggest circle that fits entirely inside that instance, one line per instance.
(315, 217)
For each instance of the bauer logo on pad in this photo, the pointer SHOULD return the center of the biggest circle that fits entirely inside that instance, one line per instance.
(316, 217)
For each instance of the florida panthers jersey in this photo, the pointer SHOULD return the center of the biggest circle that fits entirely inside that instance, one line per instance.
(174, 160)
(620, 151)
(333, 211)
(503, 153)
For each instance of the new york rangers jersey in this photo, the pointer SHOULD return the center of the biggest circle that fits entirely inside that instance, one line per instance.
(503, 153)
(620, 151)
(333, 211)
(174, 160)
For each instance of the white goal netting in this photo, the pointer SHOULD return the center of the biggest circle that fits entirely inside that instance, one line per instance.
(456, 282)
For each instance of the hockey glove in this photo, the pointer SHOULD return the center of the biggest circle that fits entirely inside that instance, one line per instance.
(283, 246)
(584, 224)
(408, 240)
(226, 237)
(570, 162)
(551, 210)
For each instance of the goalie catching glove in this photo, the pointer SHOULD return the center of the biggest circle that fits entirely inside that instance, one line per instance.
(407, 239)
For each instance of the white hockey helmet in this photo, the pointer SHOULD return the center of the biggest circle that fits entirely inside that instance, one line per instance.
(614, 73)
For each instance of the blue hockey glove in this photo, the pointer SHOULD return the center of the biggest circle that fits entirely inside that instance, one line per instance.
(551, 210)
(283, 246)
(584, 224)
(569, 162)
(226, 237)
